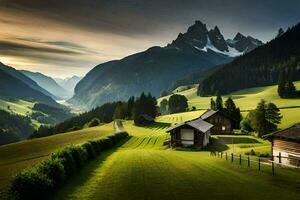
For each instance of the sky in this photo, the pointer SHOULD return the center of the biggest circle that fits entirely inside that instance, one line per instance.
(70, 37)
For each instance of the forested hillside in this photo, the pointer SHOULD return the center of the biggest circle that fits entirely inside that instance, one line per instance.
(260, 67)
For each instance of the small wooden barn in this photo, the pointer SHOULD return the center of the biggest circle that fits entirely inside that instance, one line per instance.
(190, 133)
(286, 146)
(222, 123)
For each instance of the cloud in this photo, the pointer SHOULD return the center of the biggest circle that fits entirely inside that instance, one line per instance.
(84, 33)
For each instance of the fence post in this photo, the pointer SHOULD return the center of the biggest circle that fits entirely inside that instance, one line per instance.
(240, 159)
(273, 169)
(248, 161)
(279, 157)
(231, 157)
(226, 155)
(259, 164)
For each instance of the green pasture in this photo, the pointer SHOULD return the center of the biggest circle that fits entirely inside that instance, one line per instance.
(17, 156)
(20, 107)
(142, 168)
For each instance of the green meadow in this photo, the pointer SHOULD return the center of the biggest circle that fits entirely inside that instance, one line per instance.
(142, 168)
(17, 156)
(245, 99)
(19, 107)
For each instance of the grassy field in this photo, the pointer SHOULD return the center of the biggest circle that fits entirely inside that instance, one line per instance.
(17, 156)
(143, 168)
(20, 107)
(245, 99)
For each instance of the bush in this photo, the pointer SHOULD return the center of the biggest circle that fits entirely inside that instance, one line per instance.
(67, 161)
(40, 181)
(54, 170)
(94, 122)
(30, 185)
(90, 149)
(79, 155)
(251, 153)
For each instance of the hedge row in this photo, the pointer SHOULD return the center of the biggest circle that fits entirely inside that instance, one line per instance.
(39, 181)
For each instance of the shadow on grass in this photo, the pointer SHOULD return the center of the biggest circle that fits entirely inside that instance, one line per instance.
(158, 125)
(236, 140)
(215, 145)
(84, 175)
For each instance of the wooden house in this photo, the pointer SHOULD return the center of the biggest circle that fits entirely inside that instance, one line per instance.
(190, 133)
(286, 146)
(222, 123)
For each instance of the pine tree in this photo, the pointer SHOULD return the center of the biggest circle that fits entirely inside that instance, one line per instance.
(163, 106)
(213, 104)
(130, 105)
(219, 102)
(265, 118)
(281, 83)
(233, 112)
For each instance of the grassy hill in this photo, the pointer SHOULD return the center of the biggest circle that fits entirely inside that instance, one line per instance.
(20, 107)
(143, 168)
(245, 99)
(17, 156)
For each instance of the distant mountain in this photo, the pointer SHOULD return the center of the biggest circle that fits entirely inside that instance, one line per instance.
(11, 86)
(243, 43)
(260, 67)
(15, 73)
(48, 84)
(157, 68)
(68, 83)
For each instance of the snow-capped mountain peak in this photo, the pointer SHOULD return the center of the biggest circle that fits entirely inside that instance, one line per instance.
(200, 38)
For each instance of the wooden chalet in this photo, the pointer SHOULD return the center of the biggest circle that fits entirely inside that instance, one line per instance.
(286, 146)
(222, 123)
(190, 133)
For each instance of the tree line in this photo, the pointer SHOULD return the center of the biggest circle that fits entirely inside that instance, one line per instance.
(259, 67)
(286, 87)
(14, 127)
(134, 108)
(177, 103)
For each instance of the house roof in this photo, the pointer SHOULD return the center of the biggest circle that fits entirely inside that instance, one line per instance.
(198, 124)
(208, 113)
(292, 133)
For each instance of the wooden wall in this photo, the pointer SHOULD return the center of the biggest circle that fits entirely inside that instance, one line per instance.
(288, 150)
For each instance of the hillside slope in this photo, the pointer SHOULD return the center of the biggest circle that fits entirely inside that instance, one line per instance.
(18, 75)
(260, 67)
(245, 99)
(11, 86)
(47, 83)
(68, 83)
(156, 69)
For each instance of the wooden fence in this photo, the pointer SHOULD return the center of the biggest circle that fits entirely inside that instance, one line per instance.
(259, 163)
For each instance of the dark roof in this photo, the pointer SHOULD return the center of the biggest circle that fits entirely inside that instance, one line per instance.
(208, 113)
(198, 124)
(292, 133)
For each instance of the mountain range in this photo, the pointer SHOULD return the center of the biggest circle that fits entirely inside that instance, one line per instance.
(68, 83)
(48, 84)
(158, 68)
(14, 84)
(260, 67)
